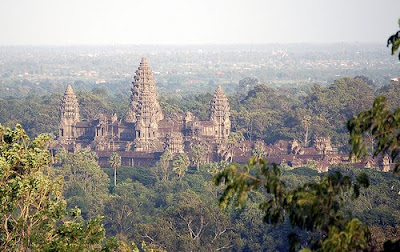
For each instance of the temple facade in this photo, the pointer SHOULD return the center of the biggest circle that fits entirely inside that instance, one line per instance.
(144, 134)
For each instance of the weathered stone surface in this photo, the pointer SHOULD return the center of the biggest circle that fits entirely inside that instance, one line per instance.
(69, 116)
(145, 130)
(145, 133)
(220, 113)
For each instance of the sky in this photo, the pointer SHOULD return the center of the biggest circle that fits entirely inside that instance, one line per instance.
(103, 22)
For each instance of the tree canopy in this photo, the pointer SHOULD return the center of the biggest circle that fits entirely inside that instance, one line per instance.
(33, 212)
(394, 40)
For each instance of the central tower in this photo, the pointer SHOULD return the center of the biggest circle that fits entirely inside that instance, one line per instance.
(144, 110)
(220, 113)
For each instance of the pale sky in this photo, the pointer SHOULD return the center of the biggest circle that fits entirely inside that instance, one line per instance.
(59, 22)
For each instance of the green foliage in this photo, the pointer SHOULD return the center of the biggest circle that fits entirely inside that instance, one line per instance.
(121, 210)
(163, 168)
(336, 104)
(379, 125)
(30, 202)
(272, 114)
(313, 206)
(75, 235)
(40, 114)
(177, 215)
(85, 183)
(92, 105)
(144, 175)
(198, 104)
(258, 152)
(180, 164)
(198, 155)
(36, 114)
(390, 91)
(354, 237)
(395, 41)
(32, 210)
(190, 223)
(115, 162)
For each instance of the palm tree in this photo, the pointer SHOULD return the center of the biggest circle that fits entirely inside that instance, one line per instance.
(115, 162)
(180, 165)
(198, 155)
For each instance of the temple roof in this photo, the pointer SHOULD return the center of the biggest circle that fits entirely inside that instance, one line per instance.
(219, 105)
(69, 105)
(219, 90)
(143, 61)
(69, 90)
(144, 105)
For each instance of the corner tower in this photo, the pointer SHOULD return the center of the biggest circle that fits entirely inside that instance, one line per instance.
(69, 116)
(144, 109)
(219, 114)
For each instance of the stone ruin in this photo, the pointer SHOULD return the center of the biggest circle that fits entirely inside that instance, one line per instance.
(145, 133)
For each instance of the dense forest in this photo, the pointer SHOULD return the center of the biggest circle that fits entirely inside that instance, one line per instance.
(258, 111)
(173, 208)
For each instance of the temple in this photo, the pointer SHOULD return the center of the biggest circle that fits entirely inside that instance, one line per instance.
(145, 133)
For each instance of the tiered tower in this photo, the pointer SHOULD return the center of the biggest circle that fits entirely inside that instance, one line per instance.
(69, 116)
(144, 110)
(220, 112)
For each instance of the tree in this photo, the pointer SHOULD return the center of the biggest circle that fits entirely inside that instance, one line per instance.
(233, 139)
(29, 201)
(198, 155)
(382, 126)
(180, 165)
(162, 169)
(188, 224)
(314, 206)
(85, 183)
(92, 105)
(115, 162)
(390, 91)
(395, 41)
(378, 124)
(32, 210)
(306, 123)
(121, 210)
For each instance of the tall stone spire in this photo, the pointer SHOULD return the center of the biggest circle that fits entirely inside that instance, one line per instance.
(144, 94)
(69, 114)
(144, 110)
(219, 114)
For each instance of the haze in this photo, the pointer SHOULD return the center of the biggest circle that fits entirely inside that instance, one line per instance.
(49, 22)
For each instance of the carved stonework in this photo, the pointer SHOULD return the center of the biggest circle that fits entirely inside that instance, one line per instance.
(174, 143)
(385, 164)
(145, 132)
(295, 148)
(323, 145)
(144, 104)
(144, 110)
(69, 116)
(220, 113)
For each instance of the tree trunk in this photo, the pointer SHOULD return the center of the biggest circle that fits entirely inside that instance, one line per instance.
(115, 176)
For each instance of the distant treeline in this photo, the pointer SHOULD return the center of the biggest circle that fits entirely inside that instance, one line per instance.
(258, 111)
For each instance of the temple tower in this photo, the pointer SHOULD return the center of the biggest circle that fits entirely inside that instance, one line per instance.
(69, 116)
(220, 112)
(144, 110)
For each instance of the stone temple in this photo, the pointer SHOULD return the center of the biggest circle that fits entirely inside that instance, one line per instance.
(145, 133)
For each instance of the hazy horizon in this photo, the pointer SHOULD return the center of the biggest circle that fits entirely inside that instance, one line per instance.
(187, 22)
